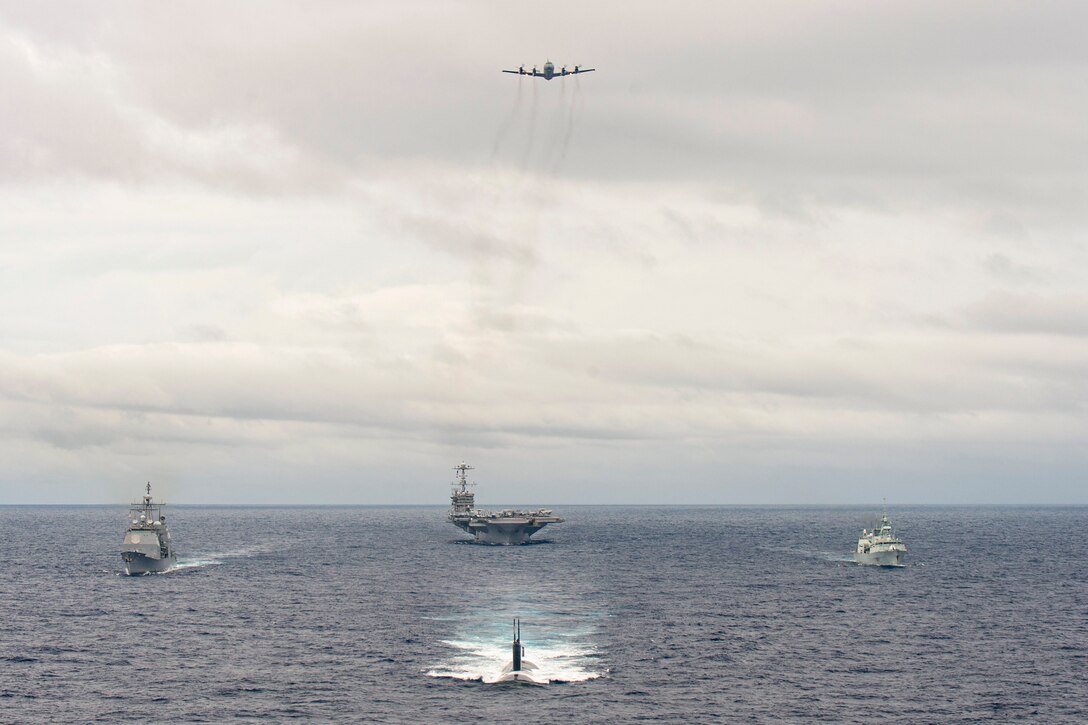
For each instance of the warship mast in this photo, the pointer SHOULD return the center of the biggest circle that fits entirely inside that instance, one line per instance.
(462, 499)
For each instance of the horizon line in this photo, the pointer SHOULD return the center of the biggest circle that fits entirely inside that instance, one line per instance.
(630, 505)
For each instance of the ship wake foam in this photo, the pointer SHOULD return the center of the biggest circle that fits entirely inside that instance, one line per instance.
(483, 661)
(837, 557)
(218, 557)
(193, 563)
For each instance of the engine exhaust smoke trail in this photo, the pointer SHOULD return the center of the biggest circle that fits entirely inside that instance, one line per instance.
(511, 117)
(568, 131)
(555, 133)
(530, 137)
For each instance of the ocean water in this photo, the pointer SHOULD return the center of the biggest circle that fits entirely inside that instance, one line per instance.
(636, 614)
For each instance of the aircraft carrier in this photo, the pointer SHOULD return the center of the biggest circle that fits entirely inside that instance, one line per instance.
(506, 527)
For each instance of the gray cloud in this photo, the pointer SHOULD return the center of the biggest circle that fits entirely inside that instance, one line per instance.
(851, 104)
(776, 246)
(1032, 314)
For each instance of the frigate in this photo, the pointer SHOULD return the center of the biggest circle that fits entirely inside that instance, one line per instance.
(880, 547)
(508, 527)
(147, 546)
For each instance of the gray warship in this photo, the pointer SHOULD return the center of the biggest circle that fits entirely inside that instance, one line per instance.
(147, 546)
(493, 527)
(880, 547)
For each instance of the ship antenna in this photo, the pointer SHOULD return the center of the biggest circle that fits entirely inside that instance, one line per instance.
(462, 475)
(149, 488)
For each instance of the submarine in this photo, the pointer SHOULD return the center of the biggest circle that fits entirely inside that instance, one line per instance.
(520, 670)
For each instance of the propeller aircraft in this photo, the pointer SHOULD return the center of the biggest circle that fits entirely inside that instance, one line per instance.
(550, 71)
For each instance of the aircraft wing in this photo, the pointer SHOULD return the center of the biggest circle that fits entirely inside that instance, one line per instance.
(556, 74)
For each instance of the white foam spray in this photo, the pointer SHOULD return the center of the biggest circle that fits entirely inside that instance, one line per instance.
(558, 659)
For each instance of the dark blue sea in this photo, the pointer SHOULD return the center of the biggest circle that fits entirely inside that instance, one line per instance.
(636, 614)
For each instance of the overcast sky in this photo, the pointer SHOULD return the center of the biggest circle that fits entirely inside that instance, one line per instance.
(768, 252)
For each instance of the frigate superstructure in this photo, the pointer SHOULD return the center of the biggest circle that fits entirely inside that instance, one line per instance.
(880, 547)
(509, 526)
(147, 547)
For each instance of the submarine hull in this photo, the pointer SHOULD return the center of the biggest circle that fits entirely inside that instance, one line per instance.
(519, 678)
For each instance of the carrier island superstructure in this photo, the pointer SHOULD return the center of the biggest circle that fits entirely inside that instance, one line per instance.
(493, 527)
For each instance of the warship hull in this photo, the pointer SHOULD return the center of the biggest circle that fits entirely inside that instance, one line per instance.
(137, 564)
(502, 533)
(880, 558)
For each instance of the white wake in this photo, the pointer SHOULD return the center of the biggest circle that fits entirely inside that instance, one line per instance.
(482, 661)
